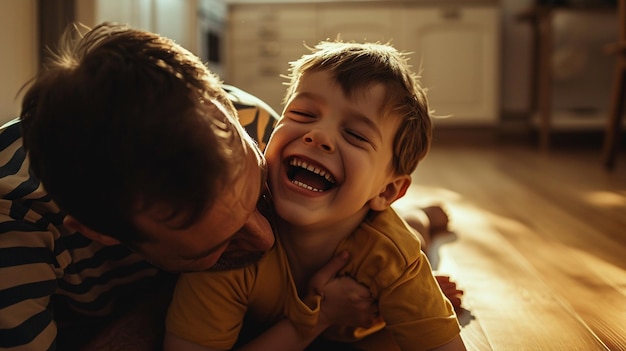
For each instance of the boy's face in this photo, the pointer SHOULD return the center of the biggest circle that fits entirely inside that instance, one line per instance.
(329, 155)
(231, 234)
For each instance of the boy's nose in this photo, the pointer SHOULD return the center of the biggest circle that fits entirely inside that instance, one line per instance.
(319, 139)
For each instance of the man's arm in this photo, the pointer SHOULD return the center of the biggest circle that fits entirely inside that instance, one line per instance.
(28, 280)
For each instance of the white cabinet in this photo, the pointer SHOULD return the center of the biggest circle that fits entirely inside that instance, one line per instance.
(456, 48)
(370, 22)
(457, 52)
(262, 40)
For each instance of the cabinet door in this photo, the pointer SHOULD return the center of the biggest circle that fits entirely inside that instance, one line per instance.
(263, 39)
(373, 22)
(135, 13)
(456, 49)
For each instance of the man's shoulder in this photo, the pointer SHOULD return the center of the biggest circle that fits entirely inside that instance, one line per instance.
(256, 117)
(16, 181)
(10, 133)
(243, 100)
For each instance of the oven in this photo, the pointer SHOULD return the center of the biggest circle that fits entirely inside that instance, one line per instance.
(211, 36)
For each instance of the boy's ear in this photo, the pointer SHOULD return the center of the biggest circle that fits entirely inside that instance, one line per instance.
(391, 192)
(72, 223)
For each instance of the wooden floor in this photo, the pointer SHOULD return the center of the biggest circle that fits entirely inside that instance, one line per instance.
(538, 243)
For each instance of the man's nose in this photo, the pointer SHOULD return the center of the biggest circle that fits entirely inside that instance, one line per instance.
(256, 234)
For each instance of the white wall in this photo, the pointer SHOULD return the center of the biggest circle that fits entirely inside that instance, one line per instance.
(175, 19)
(18, 57)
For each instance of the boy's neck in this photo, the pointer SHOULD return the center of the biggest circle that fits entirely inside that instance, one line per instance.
(309, 248)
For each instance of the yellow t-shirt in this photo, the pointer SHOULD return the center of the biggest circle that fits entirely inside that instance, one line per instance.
(208, 308)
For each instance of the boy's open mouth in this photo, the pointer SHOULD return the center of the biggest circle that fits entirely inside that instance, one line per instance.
(308, 176)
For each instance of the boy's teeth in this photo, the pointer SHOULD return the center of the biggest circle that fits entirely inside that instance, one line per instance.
(302, 185)
(311, 168)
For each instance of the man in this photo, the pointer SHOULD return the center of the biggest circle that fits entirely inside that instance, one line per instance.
(136, 164)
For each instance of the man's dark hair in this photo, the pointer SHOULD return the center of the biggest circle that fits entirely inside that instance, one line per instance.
(121, 120)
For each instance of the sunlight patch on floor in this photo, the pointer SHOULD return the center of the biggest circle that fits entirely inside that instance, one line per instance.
(605, 198)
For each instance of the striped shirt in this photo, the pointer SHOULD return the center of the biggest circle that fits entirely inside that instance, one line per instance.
(48, 274)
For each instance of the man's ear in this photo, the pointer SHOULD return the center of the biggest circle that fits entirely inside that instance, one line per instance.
(72, 223)
(391, 192)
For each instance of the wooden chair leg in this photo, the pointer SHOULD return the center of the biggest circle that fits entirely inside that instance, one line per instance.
(613, 128)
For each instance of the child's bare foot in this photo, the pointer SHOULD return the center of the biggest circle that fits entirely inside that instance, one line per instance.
(428, 222)
(450, 290)
(437, 218)
(438, 222)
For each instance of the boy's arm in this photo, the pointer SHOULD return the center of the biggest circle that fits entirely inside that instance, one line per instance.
(345, 302)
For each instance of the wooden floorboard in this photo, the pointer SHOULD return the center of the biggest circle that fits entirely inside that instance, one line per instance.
(538, 243)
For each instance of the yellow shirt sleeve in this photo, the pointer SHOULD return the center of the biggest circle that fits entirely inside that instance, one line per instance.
(387, 257)
(208, 308)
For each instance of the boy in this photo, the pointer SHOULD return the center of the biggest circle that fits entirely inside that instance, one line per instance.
(354, 128)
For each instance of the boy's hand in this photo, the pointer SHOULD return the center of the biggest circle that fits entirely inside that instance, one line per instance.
(345, 302)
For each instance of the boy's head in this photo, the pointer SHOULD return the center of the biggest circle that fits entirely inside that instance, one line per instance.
(135, 139)
(357, 66)
(354, 127)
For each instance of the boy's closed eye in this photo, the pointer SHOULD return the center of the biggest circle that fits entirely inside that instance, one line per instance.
(351, 134)
(301, 116)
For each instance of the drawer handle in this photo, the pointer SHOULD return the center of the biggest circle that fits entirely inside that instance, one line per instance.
(269, 49)
(268, 71)
(451, 13)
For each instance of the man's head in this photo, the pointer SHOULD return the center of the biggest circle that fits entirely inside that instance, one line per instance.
(135, 139)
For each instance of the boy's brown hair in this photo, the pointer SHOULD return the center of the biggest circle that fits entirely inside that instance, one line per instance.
(122, 120)
(356, 66)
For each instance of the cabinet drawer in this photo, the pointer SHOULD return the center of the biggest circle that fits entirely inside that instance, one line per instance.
(271, 22)
(456, 49)
(373, 22)
(304, 13)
